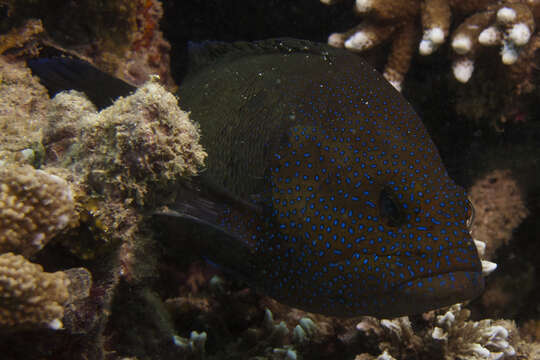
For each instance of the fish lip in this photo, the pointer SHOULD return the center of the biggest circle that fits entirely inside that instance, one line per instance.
(459, 272)
(476, 268)
(424, 295)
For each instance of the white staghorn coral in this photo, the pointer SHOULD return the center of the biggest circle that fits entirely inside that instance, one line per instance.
(510, 24)
(472, 340)
(449, 336)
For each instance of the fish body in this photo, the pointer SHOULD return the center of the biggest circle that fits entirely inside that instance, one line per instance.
(322, 187)
(334, 185)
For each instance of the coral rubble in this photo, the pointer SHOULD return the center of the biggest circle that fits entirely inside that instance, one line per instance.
(511, 25)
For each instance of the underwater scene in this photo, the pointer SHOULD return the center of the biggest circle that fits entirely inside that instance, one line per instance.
(270, 180)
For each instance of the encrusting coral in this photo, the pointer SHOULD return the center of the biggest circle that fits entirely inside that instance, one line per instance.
(143, 140)
(23, 103)
(509, 24)
(34, 207)
(28, 295)
(123, 158)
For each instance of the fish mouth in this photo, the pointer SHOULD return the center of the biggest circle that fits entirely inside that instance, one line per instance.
(436, 291)
(416, 296)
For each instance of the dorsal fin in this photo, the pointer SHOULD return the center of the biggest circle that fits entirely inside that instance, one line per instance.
(208, 52)
(67, 73)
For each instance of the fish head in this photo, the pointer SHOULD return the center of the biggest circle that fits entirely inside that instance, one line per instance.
(367, 219)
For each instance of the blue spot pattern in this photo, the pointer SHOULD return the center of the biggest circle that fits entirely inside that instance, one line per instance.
(323, 243)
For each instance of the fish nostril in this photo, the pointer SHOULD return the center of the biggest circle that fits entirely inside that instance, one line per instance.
(470, 214)
(389, 209)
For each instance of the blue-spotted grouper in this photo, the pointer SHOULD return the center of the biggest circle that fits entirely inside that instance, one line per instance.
(322, 187)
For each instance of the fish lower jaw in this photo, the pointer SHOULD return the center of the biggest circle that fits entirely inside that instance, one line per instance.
(432, 292)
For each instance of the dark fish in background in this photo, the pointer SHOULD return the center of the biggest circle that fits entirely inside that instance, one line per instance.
(322, 188)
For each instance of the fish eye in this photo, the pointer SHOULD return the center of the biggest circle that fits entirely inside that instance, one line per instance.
(389, 209)
(470, 213)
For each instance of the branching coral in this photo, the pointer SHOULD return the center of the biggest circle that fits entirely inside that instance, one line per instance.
(510, 24)
(34, 206)
(194, 346)
(465, 339)
(393, 337)
(448, 336)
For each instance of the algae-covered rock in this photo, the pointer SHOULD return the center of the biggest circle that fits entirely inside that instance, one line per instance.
(121, 36)
(139, 146)
(23, 101)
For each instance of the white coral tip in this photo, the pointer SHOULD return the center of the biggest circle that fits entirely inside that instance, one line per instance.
(396, 84)
(394, 78)
(498, 331)
(462, 44)
(506, 15)
(509, 55)
(359, 41)
(178, 341)
(336, 40)
(439, 334)
(446, 319)
(56, 324)
(390, 325)
(519, 34)
(385, 356)
(463, 70)
(431, 40)
(489, 36)
(426, 47)
(480, 247)
(480, 350)
(364, 5)
(510, 351)
(436, 35)
(488, 267)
